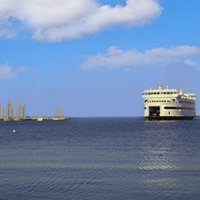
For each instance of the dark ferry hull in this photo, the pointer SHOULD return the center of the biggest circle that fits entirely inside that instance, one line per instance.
(170, 118)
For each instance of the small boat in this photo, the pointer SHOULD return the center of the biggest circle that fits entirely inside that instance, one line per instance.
(7, 119)
(39, 119)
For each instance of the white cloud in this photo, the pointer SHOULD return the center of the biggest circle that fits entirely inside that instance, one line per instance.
(53, 20)
(7, 72)
(7, 33)
(190, 62)
(117, 58)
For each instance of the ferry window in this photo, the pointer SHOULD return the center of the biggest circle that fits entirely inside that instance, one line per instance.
(149, 93)
(158, 93)
(167, 92)
(145, 108)
(164, 92)
(154, 93)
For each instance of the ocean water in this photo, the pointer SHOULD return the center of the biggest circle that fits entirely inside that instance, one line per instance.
(100, 158)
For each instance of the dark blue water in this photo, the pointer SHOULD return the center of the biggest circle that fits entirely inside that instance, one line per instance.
(100, 158)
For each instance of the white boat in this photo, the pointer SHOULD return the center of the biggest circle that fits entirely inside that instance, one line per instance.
(59, 118)
(166, 103)
(39, 119)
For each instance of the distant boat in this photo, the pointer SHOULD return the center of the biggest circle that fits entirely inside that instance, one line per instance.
(59, 118)
(63, 118)
(7, 119)
(17, 119)
(56, 118)
(27, 118)
(39, 119)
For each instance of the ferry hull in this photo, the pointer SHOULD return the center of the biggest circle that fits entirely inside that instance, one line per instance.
(170, 118)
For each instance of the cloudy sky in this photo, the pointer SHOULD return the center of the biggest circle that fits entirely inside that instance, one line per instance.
(94, 57)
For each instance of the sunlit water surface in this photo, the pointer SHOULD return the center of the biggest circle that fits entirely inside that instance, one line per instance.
(100, 158)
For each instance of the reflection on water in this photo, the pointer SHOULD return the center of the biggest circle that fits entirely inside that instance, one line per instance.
(170, 157)
(100, 158)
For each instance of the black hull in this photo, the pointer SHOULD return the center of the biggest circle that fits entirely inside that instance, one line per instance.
(169, 118)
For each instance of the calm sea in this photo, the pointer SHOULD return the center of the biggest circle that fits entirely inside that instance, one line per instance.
(100, 158)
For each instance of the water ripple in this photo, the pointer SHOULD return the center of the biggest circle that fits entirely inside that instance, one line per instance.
(100, 158)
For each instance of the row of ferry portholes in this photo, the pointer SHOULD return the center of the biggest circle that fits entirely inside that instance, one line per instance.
(165, 93)
(158, 93)
(164, 101)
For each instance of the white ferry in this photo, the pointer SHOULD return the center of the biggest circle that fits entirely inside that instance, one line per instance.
(165, 103)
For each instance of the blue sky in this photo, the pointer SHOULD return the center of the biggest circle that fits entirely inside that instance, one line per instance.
(94, 57)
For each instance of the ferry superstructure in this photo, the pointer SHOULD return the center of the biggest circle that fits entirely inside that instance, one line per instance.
(166, 103)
